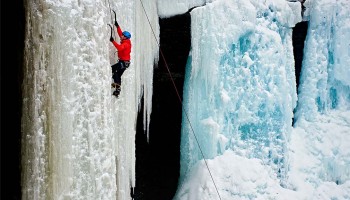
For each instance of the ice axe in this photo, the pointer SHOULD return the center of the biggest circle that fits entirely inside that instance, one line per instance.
(111, 32)
(115, 16)
(111, 29)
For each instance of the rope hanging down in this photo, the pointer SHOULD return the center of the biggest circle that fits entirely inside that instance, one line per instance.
(161, 52)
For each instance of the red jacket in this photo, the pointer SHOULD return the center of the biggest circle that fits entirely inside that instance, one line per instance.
(124, 48)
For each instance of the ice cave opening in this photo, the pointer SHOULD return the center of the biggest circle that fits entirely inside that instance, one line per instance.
(158, 160)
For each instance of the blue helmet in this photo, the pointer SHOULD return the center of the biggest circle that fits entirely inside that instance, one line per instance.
(127, 34)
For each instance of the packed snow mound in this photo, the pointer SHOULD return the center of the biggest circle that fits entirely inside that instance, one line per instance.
(320, 156)
(236, 177)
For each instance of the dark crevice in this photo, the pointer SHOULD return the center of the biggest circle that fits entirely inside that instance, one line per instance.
(298, 37)
(12, 50)
(158, 162)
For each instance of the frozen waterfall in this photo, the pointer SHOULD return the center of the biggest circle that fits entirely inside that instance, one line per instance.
(78, 141)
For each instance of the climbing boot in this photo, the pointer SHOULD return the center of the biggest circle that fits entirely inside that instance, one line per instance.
(116, 93)
(115, 85)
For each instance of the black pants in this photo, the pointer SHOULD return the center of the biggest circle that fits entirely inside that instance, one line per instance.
(118, 70)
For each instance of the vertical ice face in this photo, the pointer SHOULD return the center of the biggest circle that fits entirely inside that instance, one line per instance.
(78, 141)
(240, 83)
(140, 18)
(67, 125)
(321, 136)
(325, 76)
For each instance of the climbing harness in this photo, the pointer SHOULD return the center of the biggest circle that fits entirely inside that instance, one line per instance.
(166, 65)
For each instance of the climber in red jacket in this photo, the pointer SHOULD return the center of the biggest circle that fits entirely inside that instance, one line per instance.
(124, 50)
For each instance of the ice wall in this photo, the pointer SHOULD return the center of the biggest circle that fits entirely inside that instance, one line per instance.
(78, 139)
(321, 142)
(169, 8)
(239, 96)
(325, 76)
(240, 83)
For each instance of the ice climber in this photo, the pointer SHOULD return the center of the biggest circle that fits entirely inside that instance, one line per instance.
(124, 50)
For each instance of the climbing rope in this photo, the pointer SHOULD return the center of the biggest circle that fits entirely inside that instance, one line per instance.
(161, 52)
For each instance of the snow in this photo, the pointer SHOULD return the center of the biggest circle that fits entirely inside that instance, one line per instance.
(239, 95)
(169, 8)
(320, 157)
(236, 177)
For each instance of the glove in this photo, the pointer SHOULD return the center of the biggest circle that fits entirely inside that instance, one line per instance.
(116, 23)
(111, 39)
